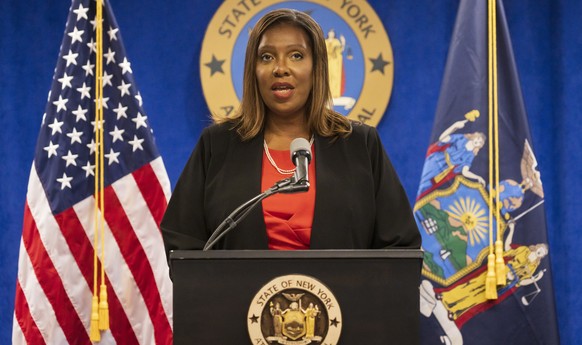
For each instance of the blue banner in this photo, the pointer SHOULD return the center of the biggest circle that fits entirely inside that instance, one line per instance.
(455, 196)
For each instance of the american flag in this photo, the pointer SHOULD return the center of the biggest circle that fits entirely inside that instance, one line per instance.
(55, 268)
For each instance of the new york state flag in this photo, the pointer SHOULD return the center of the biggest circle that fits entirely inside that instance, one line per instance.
(480, 201)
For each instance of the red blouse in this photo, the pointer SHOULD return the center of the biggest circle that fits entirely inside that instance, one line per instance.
(288, 217)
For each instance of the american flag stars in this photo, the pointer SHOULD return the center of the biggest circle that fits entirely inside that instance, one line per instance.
(68, 138)
(81, 12)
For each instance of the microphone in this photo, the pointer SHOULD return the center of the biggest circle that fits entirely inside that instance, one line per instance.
(301, 157)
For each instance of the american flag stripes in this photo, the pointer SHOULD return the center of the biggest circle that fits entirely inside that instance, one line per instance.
(55, 268)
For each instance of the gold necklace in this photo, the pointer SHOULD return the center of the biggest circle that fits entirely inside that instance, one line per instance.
(272, 161)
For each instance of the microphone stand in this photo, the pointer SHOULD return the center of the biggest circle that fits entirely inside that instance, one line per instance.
(288, 185)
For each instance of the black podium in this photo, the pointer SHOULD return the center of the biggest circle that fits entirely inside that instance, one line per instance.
(352, 297)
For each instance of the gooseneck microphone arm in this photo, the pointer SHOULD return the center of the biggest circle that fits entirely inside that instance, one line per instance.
(284, 186)
(301, 157)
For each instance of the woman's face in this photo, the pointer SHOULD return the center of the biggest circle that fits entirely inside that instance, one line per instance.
(284, 70)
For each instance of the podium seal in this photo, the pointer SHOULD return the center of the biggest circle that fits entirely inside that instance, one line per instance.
(294, 310)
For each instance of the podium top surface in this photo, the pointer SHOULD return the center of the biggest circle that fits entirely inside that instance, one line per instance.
(295, 254)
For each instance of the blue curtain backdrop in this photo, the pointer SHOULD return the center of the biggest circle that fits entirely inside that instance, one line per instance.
(163, 41)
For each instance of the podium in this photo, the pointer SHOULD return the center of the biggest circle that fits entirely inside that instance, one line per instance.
(261, 297)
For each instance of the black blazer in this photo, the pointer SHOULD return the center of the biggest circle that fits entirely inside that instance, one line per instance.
(359, 202)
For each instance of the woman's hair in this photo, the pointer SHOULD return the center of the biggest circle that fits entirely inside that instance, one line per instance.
(249, 119)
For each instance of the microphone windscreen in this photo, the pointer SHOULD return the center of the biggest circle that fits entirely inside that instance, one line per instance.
(300, 144)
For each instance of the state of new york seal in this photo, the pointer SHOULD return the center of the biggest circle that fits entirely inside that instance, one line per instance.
(294, 310)
(361, 65)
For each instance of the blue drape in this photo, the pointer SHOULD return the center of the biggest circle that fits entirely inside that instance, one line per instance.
(163, 41)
